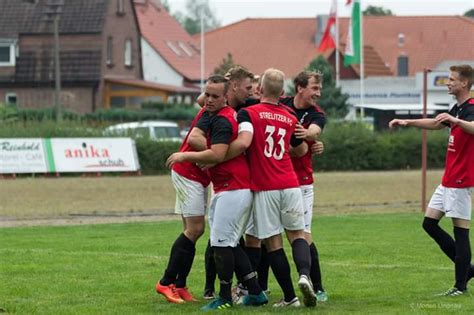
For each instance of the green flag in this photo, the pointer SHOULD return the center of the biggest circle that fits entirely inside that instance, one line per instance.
(352, 53)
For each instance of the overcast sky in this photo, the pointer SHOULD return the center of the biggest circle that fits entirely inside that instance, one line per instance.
(229, 11)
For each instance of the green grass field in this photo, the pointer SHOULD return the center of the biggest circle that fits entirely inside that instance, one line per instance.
(372, 263)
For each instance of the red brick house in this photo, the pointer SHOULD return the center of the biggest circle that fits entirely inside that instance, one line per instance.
(98, 38)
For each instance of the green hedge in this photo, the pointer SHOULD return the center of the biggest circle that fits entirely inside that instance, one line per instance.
(347, 146)
(354, 147)
(152, 155)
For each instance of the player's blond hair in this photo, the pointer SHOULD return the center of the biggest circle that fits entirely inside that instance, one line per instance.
(273, 81)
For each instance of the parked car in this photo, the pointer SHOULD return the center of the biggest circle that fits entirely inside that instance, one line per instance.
(158, 130)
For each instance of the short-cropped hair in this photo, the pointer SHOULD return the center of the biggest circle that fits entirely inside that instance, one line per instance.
(238, 74)
(216, 79)
(465, 73)
(303, 77)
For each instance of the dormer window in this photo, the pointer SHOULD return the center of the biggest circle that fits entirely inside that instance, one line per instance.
(172, 46)
(7, 53)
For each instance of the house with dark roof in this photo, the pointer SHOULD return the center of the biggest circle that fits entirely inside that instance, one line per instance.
(98, 39)
(113, 54)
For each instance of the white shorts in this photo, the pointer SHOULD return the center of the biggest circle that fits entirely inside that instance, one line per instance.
(276, 210)
(229, 213)
(191, 196)
(454, 202)
(308, 200)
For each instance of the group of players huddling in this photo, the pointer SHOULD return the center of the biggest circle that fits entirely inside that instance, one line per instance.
(256, 151)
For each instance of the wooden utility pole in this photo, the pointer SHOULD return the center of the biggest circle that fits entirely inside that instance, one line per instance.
(424, 145)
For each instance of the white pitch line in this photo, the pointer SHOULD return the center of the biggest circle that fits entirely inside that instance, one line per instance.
(346, 264)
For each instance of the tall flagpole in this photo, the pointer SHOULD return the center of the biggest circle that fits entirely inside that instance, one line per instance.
(361, 27)
(337, 47)
(202, 50)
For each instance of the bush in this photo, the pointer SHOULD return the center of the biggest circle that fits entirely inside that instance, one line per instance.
(348, 146)
(351, 146)
(152, 155)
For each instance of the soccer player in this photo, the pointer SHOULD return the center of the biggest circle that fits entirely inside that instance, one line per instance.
(237, 95)
(190, 183)
(311, 118)
(231, 204)
(265, 130)
(453, 197)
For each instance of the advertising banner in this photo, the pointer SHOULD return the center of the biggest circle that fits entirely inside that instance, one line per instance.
(93, 155)
(22, 155)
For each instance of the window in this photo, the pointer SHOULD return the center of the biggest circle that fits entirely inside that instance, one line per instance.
(7, 53)
(401, 40)
(110, 51)
(11, 99)
(173, 48)
(120, 8)
(186, 49)
(128, 53)
(402, 66)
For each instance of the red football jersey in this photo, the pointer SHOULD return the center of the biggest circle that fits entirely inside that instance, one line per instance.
(459, 171)
(187, 169)
(233, 174)
(269, 160)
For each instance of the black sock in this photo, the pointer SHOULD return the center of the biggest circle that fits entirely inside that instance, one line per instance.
(253, 253)
(315, 268)
(224, 258)
(281, 271)
(443, 239)
(263, 268)
(186, 268)
(245, 272)
(462, 262)
(210, 268)
(301, 256)
(178, 255)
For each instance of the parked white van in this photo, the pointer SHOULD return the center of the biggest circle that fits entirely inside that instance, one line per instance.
(159, 130)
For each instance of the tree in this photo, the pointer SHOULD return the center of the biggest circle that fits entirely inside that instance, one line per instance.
(377, 11)
(469, 13)
(332, 100)
(191, 21)
(226, 64)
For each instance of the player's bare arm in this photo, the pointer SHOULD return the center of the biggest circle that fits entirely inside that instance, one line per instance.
(239, 145)
(425, 123)
(310, 134)
(317, 148)
(201, 99)
(214, 155)
(300, 150)
(197, 139)
(467, 126)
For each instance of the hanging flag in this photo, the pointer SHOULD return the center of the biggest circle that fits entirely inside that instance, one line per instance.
(352, 53)
(327, 41)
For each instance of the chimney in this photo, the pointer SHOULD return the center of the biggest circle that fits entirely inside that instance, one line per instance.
(321, 21)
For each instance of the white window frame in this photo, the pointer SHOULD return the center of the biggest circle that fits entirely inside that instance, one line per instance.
(11, 94)
(128, 55)
(173, 48)
(13, 52)
(186, 49)
(120, 7)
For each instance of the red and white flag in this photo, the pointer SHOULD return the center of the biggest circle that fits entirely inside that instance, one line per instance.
(327, 41)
